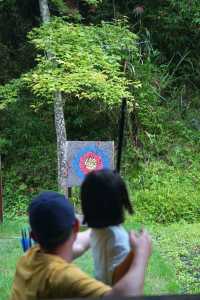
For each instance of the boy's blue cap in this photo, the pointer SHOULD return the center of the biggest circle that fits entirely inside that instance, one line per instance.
(51, 217)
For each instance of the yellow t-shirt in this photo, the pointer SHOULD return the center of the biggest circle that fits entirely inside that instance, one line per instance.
(44, 276)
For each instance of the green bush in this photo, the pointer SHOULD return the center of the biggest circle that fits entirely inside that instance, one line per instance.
(16, 198)
(167, 194)
(34, 171)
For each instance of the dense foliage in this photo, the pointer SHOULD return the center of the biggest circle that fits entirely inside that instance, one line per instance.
(102, 51)
(86, 62)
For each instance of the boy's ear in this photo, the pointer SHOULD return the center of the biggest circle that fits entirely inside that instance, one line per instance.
(76, 226)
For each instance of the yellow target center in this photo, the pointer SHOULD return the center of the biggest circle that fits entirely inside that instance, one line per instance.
(90, 163)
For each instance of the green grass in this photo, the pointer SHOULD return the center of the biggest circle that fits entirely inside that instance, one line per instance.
(10, 252)
(180, 243)
(11, 228)
(160, 278)
(173, 268)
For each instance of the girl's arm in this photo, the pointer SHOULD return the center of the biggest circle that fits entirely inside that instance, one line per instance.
(81, 244)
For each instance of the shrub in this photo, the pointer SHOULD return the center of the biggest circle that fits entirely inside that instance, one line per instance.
(34, 170)
(166, 194)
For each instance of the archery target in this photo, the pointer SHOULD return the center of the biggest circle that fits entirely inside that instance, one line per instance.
(84, 157)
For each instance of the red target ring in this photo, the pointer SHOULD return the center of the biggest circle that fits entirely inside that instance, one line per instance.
(90, 161)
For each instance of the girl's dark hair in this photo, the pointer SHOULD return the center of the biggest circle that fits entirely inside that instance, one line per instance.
(104, 198)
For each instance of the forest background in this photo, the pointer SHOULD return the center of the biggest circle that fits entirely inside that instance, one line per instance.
(150, 55)
(147, 51)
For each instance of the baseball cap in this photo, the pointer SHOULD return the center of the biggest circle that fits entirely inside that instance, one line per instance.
(51, 218)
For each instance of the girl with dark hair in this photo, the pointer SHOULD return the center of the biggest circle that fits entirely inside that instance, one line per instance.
(104, 200)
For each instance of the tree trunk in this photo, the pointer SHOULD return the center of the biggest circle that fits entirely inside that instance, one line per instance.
(1, 195)
(59, 117)
(61, 142)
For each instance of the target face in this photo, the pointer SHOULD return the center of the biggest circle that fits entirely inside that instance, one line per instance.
(84, 157)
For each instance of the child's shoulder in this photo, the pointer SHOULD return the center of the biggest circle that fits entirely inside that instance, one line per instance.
(112, 235)
(117, 231)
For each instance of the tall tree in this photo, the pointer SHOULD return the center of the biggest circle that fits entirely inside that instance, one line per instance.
(59, 116)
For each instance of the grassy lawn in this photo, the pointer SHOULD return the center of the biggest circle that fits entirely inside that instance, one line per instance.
(174, 266)
(10, 252)
(181, 245)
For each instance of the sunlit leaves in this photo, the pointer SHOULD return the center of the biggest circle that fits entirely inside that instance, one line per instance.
(86, 61)
(9, 93)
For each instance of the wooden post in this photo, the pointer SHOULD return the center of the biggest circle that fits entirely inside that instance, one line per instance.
(121, 134)
(69, 193)
(1, 195)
